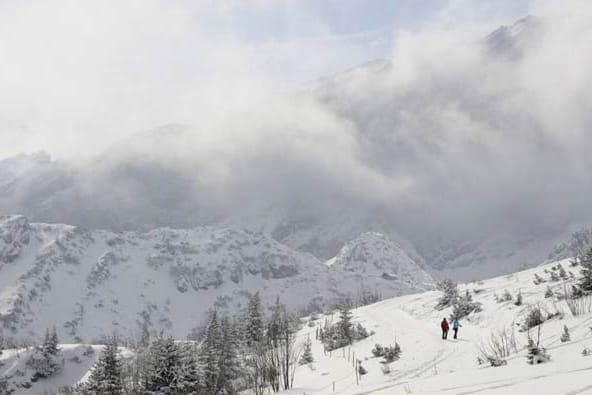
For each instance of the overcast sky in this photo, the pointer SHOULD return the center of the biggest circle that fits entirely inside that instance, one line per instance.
(76, 76)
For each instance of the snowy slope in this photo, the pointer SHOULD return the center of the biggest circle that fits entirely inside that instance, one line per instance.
(76, 361)
(89, 283)
(429, 365)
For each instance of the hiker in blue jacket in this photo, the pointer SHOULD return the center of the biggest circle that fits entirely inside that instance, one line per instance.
(455, 326)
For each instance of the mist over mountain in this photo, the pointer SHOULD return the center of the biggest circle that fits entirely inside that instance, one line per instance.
(466, 150)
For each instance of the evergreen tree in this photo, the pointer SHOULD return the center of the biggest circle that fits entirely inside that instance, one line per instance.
(210, 354)
(585, 282)
(105, 378)
(565, 337)
(306, 356)
(44, 360)
(449, 294)
(50, 344)
(188, 376)
(562, 272)
(162, 373)
(345, 325)
(548, 292)
(254, 321)
(464, 306)
(228, 364)
(518, 301)
(507, 296)
(538, 279)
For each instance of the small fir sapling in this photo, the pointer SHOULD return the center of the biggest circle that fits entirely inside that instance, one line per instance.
(565, 337)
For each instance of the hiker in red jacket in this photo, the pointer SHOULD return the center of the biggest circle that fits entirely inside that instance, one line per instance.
(445, 327)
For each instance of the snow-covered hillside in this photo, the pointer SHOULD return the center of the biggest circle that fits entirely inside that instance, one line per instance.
(427, 364)
(430, 365)
(89, 283)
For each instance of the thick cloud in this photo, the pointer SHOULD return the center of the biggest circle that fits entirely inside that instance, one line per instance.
(459, 136)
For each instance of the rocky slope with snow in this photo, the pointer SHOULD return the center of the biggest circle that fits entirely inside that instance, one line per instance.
(427, 364)
(91, 282)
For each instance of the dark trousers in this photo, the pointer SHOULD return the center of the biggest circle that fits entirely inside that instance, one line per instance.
(444, 334)
(455, 332)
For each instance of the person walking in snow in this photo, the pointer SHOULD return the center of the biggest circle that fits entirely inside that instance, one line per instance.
(455, 326)
(444, 325)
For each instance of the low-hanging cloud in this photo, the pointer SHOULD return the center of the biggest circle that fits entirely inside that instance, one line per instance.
(458, 135)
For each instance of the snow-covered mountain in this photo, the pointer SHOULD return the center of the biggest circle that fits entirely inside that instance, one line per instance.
(427, 364)
(91, 282)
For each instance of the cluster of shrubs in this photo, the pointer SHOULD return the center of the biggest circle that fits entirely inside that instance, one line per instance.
(343, 333)
(389, 353)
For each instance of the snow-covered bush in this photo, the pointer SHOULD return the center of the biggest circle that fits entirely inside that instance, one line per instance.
(507, 296)
(586, 352)
(389, 353)
(533, 318)
(361, 370)
(565, 337)
(500, 345)
(562, 272)
(536, 354)
(343, 333)
(518, 300)
(548, 292)
(464, 306)
(538, 279)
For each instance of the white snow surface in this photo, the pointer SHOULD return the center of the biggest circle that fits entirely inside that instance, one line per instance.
(430, 365)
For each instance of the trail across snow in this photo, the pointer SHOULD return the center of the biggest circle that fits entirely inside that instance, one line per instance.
(430, 365)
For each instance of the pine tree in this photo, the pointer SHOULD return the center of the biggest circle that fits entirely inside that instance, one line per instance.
(44, 360)
(162, 373)
(254, 321)
(210, 354)
(562, 272)
(464, 306)
(188, 376)
(538, 279)
(50, 344)
(345, 325)
(532, 352)
(105, 378)
(565, 337)
(548, 292)
(585, 282)
(518, 300)
(507, 296)
(449, 294)
(228, 364)
(306, 356)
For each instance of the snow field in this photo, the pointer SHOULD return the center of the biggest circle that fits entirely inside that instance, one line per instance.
(430, 365)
